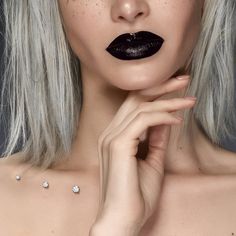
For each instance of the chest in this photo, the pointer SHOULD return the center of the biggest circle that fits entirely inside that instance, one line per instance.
(194, 220)
(202, 211)
(178, 214)
(48, 212)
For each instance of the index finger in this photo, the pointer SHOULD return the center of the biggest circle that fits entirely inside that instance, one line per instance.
(134, 98)
(164, 88)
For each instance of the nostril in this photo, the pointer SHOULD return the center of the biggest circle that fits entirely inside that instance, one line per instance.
(139, 14)
(121, 17)
(129, 10)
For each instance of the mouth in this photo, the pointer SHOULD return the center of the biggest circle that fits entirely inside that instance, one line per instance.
(133, 46)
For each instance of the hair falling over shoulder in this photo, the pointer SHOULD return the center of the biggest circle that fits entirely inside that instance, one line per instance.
(42, 87)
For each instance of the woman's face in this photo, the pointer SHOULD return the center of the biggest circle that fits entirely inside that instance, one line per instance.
(91, 25)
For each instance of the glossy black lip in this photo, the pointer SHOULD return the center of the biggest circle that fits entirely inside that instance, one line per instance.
(135, 46)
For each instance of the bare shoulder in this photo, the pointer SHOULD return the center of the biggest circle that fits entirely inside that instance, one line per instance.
(195, 205)
(8, 169)
(13, 198)
(10, 162)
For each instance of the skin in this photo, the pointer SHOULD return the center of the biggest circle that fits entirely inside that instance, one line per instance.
(196, 185)
(100, 81)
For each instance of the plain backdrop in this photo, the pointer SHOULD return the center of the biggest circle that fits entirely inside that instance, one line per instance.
(227, 144)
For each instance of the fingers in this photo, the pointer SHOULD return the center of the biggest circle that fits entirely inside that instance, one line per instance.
(166, 87)
(128, 136)
(135, 98)
(144, 120)
(119, 174)
(157, 147)
(170, 105)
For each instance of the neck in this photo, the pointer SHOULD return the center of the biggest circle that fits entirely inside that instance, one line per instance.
(185, 155)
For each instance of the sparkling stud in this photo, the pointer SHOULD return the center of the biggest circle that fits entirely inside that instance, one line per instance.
(76, 189)
(18, 177)
(45, 184)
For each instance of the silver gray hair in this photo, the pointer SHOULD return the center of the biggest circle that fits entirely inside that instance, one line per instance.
(212, 69)
(42, 84)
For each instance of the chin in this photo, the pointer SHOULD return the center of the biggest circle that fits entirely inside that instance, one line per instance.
(136, 82)
(139, 81)
(138, 77)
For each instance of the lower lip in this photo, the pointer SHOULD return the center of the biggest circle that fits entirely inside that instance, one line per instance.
(124, 52)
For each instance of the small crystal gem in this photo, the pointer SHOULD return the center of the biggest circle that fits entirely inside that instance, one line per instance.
(45, 184)
(18, 177)
(76, 189)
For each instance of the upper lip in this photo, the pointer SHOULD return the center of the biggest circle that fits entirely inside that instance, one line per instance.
(140, 37)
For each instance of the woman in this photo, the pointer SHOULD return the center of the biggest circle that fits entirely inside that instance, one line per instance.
(96, 91)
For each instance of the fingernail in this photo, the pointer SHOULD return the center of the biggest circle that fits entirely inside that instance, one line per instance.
(191, 98)
(183, 77)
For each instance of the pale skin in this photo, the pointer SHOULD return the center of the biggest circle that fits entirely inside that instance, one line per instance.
(185, 188)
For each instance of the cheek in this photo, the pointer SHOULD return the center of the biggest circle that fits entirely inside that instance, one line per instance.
(89, 32)
(79, 20)
(183, 29)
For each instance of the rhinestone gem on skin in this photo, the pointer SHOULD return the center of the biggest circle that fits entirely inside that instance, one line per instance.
(45, 184)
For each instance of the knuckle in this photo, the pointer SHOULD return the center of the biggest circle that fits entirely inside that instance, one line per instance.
(101, 139)
(168, 117)
(106, 141)
(142, 106)
(140, 117)
(175, 117)
(163, 116)
(115, 144)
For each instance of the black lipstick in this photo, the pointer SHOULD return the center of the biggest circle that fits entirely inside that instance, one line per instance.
(132, 46)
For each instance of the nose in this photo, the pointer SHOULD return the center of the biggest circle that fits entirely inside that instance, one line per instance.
(129, 10)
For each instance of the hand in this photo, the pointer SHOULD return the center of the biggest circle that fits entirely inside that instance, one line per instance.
(130, 187)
